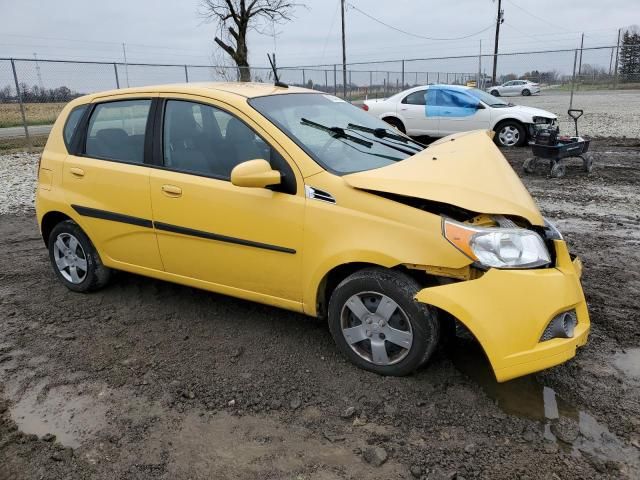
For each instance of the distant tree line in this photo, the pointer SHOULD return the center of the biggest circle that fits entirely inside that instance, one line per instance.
(37, 94)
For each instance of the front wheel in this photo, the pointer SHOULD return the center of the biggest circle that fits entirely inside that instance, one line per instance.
(526, 92)
(510, 134)
(378, 325)
(495, 93)
(75, 260)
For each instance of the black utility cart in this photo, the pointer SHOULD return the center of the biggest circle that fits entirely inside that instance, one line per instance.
(548, 144)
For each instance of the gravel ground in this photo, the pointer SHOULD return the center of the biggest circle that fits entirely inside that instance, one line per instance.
(150, 380)
(17, 182)
(606, 113)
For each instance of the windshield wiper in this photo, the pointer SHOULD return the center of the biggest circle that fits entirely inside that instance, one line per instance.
(404, 148)
(384, 133)
(336, 132)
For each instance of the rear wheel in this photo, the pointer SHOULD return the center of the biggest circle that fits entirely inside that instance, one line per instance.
(75, 260)
(495, 93)
(377, 324)
(526, 92)
(394, 122)
(510, 134)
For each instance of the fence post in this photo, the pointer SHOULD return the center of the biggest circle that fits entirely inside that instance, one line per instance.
(335, 80)
(326, 80)
(573, 79)
(186, 74)
(402, 73)
(115, 69)
(19, 93)
(387, 88)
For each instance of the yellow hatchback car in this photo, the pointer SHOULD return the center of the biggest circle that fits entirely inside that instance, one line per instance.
(298, 199)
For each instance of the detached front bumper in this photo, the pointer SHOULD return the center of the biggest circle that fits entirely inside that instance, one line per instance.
(508, 311)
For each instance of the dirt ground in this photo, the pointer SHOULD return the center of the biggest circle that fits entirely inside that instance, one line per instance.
(148, 380)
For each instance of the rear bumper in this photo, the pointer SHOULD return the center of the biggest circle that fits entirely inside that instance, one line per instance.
(508, 310)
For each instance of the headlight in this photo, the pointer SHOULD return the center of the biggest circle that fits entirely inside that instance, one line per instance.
(497, 247)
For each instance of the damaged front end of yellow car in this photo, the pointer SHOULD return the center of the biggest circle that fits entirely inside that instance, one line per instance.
(519, 292)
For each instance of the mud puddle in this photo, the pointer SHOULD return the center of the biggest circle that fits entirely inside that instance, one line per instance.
(565, 425)
(628, 363)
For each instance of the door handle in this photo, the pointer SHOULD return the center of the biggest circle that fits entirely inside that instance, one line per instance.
(171, 190)
(403, 109)
(77, 172)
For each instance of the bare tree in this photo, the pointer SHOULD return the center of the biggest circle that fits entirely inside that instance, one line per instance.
(236, 17)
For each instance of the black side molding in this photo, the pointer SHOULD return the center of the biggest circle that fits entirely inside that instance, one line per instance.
(221, 238)
(143, 222)
(114, 217)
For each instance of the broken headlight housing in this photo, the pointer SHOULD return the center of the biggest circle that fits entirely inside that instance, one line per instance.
(497, 247)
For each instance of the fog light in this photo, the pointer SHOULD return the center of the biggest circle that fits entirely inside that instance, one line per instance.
(562, 326)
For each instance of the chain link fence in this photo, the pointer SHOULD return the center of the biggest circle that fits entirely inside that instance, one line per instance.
(33, 91)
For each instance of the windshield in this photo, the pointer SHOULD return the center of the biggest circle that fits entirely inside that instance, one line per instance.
(339, 136)
(487, 98)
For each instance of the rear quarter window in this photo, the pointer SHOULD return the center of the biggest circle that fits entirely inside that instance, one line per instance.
(71, 124)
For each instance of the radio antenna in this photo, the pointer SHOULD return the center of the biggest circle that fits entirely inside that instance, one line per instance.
(272, 61)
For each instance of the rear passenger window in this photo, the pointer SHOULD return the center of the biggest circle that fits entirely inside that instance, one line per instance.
(72, 123)
(116, 131)
(415, 98)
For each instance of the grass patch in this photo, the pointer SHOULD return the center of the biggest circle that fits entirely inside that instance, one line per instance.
(11, 145)
(36, 113)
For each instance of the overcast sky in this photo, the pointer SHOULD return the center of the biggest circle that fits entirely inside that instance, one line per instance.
(172, 31)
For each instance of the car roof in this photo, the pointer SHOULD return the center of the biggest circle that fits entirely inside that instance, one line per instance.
(206, 89)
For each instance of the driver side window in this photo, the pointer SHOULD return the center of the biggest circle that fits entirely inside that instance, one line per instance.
(204, 140)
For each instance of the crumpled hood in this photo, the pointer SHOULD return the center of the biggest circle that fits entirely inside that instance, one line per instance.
(465, 170)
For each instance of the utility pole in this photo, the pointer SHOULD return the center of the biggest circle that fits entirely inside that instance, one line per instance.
(615, 71)
(580, 64)
(126, 65)
(499, 20)
(344, 57)
(479, 66)
(35, 55)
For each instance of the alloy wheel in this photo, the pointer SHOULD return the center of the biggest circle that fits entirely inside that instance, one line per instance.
(376, 328)
(70, 258)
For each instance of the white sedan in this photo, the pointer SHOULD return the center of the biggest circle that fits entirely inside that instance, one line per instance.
(440, 110)
(515, 87)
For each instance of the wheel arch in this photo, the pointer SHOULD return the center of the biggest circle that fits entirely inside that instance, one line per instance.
(338, 273)
(521, 122)
(49, 221)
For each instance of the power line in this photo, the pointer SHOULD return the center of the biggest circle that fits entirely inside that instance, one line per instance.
(535, 16)
(415, 34)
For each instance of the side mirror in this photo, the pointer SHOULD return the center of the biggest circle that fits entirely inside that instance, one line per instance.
(255, 174)
(479, 106)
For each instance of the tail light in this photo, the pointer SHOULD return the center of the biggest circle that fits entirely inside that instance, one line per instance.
(365, 107)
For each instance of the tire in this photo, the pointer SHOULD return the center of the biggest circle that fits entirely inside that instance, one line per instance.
(526, 92)
(394, 122)
(495, 93)
(530, 165)
(75, 260)
(587, 162)
(558, 170)
(510, 133)
(414, 325)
